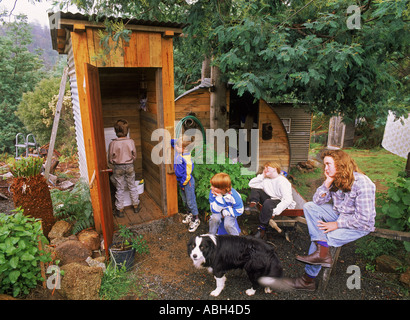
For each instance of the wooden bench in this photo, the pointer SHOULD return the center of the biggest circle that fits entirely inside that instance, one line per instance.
(378, 232)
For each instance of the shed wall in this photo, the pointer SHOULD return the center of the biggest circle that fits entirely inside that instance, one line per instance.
(82, 160)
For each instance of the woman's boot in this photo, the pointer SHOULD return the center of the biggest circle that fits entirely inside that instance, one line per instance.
(304, 283)
(321, 257)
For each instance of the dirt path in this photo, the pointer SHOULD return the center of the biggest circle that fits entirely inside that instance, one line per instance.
(168, 272)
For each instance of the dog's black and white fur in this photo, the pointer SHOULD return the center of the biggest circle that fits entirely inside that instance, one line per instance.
(222, 253)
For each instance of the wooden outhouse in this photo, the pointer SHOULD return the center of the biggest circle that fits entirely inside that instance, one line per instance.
(284, 131)
(133, 82)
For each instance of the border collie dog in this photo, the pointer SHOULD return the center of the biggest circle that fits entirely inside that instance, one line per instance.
(225, 252)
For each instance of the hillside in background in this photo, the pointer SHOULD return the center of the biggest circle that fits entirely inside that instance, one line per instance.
(42, 40)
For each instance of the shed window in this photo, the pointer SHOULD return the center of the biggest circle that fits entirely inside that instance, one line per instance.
(286, 122)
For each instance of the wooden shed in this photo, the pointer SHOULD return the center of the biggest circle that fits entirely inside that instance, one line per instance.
(284, 131)
(135, 82)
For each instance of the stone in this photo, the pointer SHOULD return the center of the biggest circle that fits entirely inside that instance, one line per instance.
(95, 263)
(60, 229)
(72, 251)
(90, 238)
(81, 282)
(388, 264)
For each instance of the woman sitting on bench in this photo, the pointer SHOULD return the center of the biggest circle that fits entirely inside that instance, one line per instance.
(350, 216)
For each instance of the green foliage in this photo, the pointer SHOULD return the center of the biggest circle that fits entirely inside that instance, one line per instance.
(300, 49)
(20, 70)
(74, 206)
(371, 247)
(397, 208)
(204, 172)
(130, 240)
(37, 110)
(26, 167)
(20, 255)
(117, 283)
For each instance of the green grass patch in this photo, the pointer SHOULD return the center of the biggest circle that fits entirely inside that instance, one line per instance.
(380, 165)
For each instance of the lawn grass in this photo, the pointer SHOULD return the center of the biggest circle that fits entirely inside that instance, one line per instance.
(380, 165)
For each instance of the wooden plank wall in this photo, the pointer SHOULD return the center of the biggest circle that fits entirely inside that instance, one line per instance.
(120, 75)
(120, 95)
(197, 102)
(276, 149)
(149, 122)
(142, 51)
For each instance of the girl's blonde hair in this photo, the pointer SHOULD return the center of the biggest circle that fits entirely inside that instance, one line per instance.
(222, 181)
(272, 164)
(345, 166)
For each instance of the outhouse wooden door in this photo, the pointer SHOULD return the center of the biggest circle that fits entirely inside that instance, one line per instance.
(98, 160)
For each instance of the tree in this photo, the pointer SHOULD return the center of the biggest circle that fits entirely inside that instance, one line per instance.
(19, 73)
(37, 110)
(299, 49)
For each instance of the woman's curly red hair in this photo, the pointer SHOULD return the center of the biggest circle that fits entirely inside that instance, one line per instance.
(345, 166)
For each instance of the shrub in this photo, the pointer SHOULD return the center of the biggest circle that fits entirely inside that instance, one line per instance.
(204, 172)
(26, 167)
(74, 206)
(397, 208)
(20, 255)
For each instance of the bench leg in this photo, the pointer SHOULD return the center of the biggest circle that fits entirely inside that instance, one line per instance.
(327, 271)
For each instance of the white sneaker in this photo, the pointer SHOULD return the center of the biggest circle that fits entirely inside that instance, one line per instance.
(188, 218)
(193, 225)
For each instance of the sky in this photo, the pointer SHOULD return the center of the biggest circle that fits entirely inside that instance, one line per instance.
(35, 12)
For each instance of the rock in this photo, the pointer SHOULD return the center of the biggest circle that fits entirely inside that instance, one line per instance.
(90, 238)
(72, 251)
(60, 229)
(81, 282)
(65, 185)
(388, 264)
(95, 263)
(405, 278)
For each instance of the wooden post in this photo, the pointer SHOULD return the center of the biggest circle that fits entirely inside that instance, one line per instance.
(328, 271)
(55, 123)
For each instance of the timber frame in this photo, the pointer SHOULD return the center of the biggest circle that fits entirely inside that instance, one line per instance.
(149, 51)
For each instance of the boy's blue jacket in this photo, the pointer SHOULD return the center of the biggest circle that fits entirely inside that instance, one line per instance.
(230, 201)
(183, 166)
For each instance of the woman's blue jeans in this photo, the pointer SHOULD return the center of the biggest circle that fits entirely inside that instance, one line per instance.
(188, 196)
(336, 238)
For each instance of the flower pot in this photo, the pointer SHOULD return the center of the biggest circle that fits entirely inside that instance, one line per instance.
(122, 258)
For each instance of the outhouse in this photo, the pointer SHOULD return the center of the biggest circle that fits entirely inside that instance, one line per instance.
(284, 129)
(134, 81)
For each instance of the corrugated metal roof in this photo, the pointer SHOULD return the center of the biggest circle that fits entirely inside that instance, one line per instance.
(205, 83)
(83, 17)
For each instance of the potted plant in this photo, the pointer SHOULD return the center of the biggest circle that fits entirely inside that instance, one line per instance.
(31, 192)
(124, 247)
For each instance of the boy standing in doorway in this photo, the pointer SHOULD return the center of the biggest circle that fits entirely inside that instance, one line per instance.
(121, 154)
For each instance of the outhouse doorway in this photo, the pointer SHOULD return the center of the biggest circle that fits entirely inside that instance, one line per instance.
(134, 82)
(131, 94)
